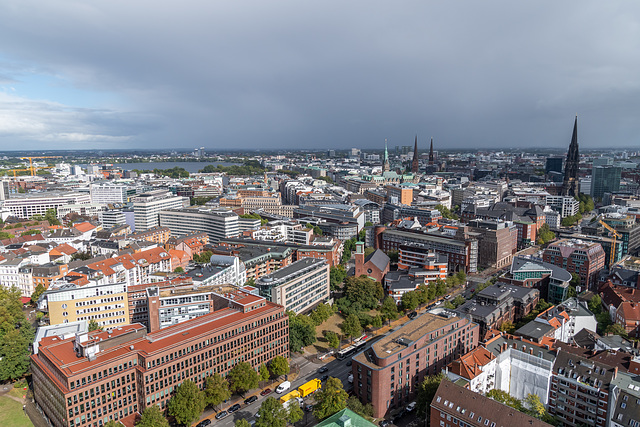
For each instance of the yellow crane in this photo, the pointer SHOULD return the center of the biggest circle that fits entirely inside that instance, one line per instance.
(34, 168)
(616, 235)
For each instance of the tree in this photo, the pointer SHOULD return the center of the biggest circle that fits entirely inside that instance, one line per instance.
(187, 403)
(243, 377)
(351, 326)
(16, 335)
(446, 212)
(363, 290)
(426, 392)
(368, 251)
(617, 329)
(279, 365)
(409, 300)
(216, 390)
(302, 331)
(505, 398)
(393, 256)
(37, 292)
(271, 414)
(508, 327)
(112, 423)
(336, 277)
(330, 399)
(534, 406)
(294, 413)
(545, 235)
(389, 309)
(179, 270)
(332, 339)
(152, 416)
(4, 235)
(242, 423)
(356, 406)
(51, 215)
(263, 371)
(595, 304)
(94, 326)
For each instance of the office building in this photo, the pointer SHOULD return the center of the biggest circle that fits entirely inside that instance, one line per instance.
(585, 259)
(147, 207)
(388, 374)
(106, 304)
(218, 223)
(94, 377)
(553, 164)
(605, 179)
(106, 193)
(30, 204)
(299, 287)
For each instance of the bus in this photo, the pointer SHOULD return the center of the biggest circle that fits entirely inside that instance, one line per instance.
(342, 354)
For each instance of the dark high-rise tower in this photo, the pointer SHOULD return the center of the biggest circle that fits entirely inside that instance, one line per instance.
(414, 162)
(570, 183)
(431, 159)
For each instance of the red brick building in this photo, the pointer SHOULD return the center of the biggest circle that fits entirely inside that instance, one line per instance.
(92, 378)
(586, 259)
(376, 265)
(388, 374)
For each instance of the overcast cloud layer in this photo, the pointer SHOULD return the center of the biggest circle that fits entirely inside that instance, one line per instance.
(320, 74)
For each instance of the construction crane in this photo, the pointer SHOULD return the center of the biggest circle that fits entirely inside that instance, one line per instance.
(33, 168)
(616, 235)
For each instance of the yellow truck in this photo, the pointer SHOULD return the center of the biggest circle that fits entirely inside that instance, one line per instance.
(309, 387)
(285, 398)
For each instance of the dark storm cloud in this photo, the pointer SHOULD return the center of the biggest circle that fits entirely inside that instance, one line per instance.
(289, 74)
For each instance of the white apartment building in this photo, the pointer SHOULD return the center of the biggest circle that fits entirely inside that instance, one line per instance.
(89, 209)
(299, 286)
(10, 275)
(218, 223)
(30, 204)
(565, 205)
(221, 270)
(107, 192)
(147, 207)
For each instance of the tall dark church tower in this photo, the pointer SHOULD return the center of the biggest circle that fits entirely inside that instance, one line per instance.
(431, 159)
(385, 164)
(414, 162)
(570, 183)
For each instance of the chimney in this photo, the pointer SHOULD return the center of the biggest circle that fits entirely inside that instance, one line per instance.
(530, 350)
(515, 346)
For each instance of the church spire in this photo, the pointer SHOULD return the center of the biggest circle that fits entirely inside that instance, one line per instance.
(414, 162)
(431, 159)
(385, 165)
(570, 183)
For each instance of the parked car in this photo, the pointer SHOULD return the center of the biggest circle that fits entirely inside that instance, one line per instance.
(411, 406)
(324, 377)
(323, 369)
(234, 408)
(221, 415)
(384, 423)
(204, 423)
(283, 387)
(265, 392)
(308, 408)
(412, 315)
(250, 400)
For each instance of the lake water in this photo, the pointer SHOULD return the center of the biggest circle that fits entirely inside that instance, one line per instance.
(191, 167)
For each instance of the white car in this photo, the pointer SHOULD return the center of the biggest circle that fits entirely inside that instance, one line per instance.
(411, 406)
(283, 387)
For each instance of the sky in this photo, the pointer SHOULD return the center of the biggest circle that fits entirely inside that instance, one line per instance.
(245, 74)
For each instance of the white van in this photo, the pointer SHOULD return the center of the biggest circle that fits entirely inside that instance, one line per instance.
(283, 387)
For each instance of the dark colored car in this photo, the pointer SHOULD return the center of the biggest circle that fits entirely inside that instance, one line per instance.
(349, 363)
(324, 377)
(221, 415)
(204, 423)
(265, 392)
(250, 400)
(234, 408)
(384, 423)
(308, 408)
(412, 315)
(323, 369)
